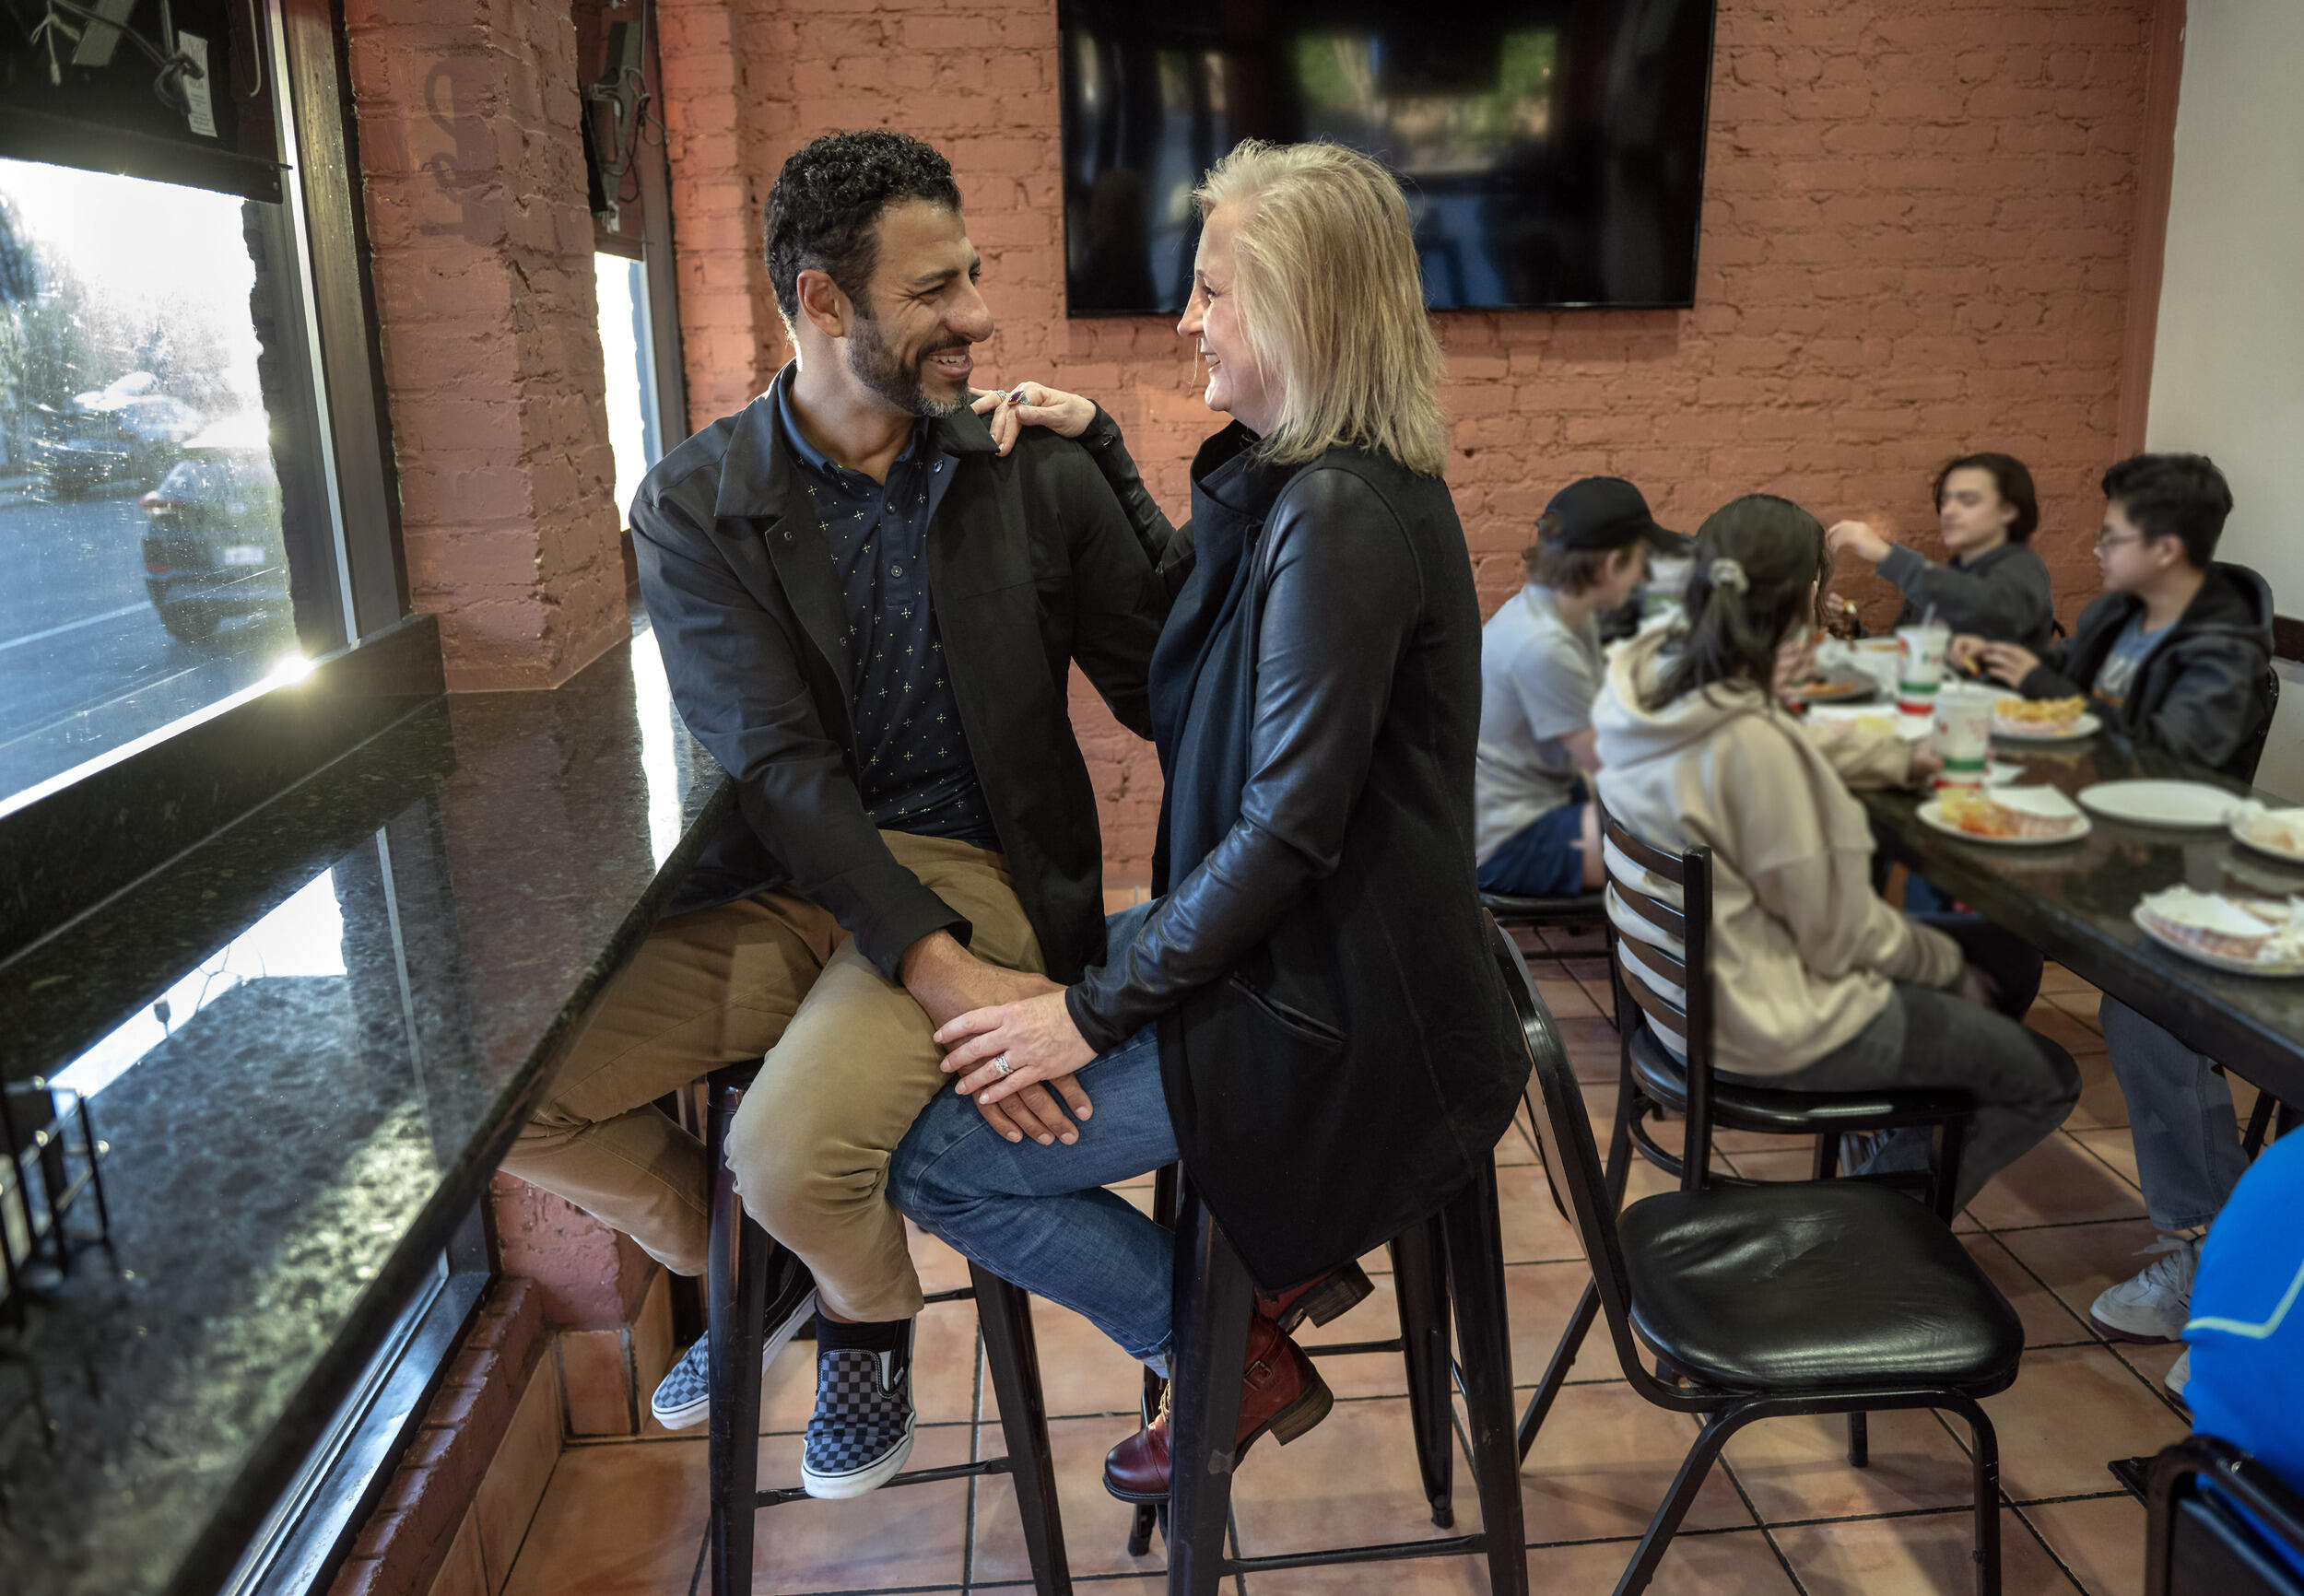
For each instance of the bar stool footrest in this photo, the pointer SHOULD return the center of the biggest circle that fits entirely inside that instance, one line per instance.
(913, 1477)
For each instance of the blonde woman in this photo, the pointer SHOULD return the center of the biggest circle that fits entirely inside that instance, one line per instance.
(1304, 1012)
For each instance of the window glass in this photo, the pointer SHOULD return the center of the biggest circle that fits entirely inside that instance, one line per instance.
(632, 392)
(165, 526)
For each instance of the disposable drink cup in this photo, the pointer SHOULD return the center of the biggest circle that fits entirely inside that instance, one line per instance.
(1883, 660)
(1963, 736)
(1923, 669)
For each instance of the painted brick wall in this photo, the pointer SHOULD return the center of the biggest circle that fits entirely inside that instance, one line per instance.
(473, 175)
(1915, 241)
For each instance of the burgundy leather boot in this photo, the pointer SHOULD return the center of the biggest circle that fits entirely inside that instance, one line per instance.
(1280, 1392)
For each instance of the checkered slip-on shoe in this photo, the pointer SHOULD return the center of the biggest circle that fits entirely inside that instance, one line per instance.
(861, 1431)
(684, 1396)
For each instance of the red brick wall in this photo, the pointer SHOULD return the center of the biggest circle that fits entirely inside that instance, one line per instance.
(1915, 242)
(472, 174)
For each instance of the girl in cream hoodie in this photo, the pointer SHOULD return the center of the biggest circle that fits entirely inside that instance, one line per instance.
(1817, 984)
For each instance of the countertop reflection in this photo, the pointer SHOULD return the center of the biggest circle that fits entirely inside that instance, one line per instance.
(308, 1042)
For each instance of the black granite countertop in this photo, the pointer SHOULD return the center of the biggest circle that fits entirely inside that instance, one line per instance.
(2075, 901)
(309, 1041)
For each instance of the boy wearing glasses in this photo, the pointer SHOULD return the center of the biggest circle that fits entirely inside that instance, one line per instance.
(2177, 655)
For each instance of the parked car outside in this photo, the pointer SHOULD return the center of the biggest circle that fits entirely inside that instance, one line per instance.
(123, 436)
(212, 540)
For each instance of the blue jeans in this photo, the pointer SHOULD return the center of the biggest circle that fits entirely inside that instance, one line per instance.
(1040, 1216)
(2180, 1117)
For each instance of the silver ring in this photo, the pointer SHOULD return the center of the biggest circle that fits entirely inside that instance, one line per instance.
(1001, 1064)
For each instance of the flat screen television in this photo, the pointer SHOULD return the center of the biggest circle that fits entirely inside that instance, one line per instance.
(1552, 150)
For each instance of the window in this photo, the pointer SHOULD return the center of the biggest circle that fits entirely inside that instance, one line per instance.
(626, 351)
(165, 519)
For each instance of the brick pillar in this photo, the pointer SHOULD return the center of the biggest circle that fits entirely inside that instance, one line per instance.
(474, 172)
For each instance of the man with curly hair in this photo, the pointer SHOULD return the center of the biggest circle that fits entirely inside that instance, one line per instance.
(868, 615)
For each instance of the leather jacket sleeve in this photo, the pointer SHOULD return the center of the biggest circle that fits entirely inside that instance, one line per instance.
(1344, 595)
(1168, 545)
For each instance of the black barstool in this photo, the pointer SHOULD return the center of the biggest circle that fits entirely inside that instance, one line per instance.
(736, 1303)
(1453, 1259)
(1420, 1296)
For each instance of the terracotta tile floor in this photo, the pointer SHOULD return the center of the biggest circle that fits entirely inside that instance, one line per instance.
(1785, 1514)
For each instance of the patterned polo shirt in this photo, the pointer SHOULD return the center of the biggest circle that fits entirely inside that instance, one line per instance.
(918, 775)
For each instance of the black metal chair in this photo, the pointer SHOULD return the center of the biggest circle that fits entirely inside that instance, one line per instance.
(2196, 1544)
(1660, 969)
(736, 1303)
(1775, 1298)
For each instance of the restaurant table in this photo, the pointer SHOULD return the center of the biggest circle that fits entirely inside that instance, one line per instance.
(2075, 902)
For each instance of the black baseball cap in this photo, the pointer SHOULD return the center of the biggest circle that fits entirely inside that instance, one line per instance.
(1607, 513)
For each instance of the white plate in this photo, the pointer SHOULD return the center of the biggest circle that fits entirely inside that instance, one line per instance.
(2182, 803)
(1911, 728)
(2220, 960)
(1932, 815)
(2239, 821)
(2087, 725)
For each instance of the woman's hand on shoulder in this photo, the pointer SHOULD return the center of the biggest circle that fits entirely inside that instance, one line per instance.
(1007, 412)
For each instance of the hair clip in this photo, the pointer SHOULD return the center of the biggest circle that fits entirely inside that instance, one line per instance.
(1728, 574)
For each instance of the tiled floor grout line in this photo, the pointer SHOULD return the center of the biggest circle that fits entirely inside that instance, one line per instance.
(1768, 1533)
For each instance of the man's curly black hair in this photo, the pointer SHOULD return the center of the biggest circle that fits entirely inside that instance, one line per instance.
(824, 213)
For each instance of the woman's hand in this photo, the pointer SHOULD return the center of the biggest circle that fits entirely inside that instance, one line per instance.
(1033, 404)
(1926, 763)
(1857, 537)
(998, 1052)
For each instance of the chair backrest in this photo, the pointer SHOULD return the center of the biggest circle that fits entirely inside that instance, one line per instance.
(2253, 754)
(2196, 1544)
(1571, 1163)
(1660, 906)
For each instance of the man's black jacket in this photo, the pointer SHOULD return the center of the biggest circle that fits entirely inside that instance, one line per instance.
(2205, 694)
(1031, 565)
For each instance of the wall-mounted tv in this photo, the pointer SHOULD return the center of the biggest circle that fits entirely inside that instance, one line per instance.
(1552, 150)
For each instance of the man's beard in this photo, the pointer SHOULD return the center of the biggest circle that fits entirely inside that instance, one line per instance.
(902, 383)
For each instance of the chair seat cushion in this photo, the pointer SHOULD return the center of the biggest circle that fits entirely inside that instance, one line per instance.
(1738, 1106)
(1814, 1286)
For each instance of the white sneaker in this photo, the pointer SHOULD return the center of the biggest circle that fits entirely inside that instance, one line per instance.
(2179, 1376)
(2154, 1305)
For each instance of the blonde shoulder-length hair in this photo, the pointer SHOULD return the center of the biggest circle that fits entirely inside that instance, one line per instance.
(1332, 303)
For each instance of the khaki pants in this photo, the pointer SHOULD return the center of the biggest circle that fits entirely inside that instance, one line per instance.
(849, 1062)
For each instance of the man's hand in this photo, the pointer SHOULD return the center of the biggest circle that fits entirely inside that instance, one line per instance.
(1857, 537)
(948, 980)
(2008, 663)
(1965, 654)
(1033, 404)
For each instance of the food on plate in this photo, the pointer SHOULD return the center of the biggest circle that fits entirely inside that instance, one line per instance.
(2040, 717)
(2276, 830)
(1976, 812)
(2259, 930)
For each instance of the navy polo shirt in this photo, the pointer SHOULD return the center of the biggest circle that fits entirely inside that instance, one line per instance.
(916, 771)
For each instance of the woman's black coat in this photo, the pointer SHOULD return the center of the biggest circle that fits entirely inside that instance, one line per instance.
(1333, 1037)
